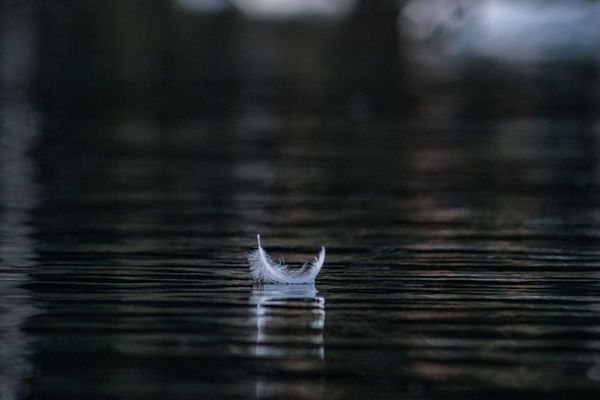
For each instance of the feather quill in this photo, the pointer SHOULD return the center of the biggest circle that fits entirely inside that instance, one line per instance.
(265, 270)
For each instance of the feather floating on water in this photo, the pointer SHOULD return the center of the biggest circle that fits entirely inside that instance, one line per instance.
(264, 269)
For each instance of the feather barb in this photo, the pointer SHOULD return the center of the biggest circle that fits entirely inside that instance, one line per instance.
(265, 270)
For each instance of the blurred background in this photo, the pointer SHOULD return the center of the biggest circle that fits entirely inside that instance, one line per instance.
(350, 59)
(446, 152)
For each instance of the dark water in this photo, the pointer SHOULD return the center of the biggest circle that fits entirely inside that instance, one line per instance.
(462, 232)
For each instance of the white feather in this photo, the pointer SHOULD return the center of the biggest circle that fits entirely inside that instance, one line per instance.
(264, 269)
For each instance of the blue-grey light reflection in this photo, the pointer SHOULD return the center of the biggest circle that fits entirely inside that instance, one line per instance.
(513, 31)
(274, 9)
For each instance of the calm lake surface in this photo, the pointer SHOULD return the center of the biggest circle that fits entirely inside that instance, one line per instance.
(462, 230)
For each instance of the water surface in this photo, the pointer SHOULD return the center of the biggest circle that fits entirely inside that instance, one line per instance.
(462, 222)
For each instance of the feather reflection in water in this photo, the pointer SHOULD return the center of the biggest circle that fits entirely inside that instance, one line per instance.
(290, 321)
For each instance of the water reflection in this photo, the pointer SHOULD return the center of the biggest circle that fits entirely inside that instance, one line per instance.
(291, 8)
(18, 195)
(290, 323)
(290, 320)
(18, 198)
(273, 9)
(514, 31)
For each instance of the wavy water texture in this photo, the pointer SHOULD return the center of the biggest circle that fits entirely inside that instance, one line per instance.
(263, 269)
